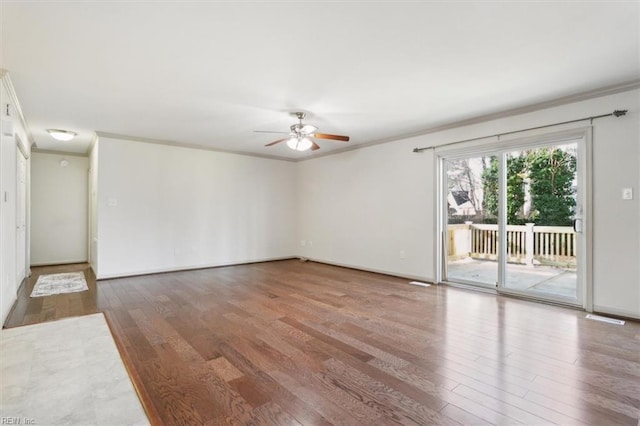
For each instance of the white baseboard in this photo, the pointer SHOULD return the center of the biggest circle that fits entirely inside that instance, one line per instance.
(617, 312)
(374, 270)
(61, 262)
(187, 268)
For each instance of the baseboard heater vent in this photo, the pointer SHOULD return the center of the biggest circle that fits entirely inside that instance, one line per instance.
(419, 284)
(604, 319)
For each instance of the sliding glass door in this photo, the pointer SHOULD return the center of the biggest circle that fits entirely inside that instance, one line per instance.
(472, 228)
(542, 203)
(513, 218)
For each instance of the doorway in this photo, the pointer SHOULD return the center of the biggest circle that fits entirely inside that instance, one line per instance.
(513, 217)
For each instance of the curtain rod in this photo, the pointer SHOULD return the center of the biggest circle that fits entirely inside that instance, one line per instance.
(616, 113)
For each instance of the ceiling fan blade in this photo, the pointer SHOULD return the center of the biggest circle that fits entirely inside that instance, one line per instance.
(332, 137)
(314, 146)
(268, 131)
(275, 142)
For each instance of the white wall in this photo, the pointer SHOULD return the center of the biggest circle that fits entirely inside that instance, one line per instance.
(166, 208)
(616, 222)
(361, 208)
(58, 209)
(11, 133)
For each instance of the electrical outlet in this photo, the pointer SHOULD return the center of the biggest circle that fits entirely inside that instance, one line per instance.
(310, 243)
(627, 193)
(303, 243)
(403, 255)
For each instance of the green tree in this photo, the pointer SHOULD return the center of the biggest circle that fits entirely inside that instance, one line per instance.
(516, 172)
(551, 174)
(515, 188)
(490, 188)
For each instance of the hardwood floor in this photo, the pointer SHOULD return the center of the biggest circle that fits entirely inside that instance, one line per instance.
(29, 310)
(305, 343)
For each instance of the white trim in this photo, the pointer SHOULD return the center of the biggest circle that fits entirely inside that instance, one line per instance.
(27, 211)
(21, 148)
(472, 287)
(8, 85)
(500, 147)
(502, 221)
(94, 140)
(587, 202)
(101, 134)
(565, 100)
(36, 150)
(61, 262)
(188, 268)
(513, 141)
(544, 297)
(438, 248)
(373, 270)
(614, 311)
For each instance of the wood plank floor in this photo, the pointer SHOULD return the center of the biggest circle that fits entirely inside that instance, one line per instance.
(29, 310)
(305, 343)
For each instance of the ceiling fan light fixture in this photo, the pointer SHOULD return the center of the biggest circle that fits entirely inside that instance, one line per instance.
(299, 138)
(62, 135)
(304, 144)
(307, 129)
(299, 144)
(292, 143)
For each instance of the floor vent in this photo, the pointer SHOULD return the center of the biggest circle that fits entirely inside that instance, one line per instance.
(419, 283)
(604, 319)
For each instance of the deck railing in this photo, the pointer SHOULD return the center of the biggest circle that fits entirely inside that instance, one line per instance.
(526, 244)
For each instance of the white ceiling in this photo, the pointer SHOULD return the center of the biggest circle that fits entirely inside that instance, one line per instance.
(209, 73)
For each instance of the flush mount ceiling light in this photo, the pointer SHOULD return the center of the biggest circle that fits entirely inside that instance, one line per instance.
(62, 135)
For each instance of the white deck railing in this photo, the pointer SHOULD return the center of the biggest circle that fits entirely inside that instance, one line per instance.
(525, 243)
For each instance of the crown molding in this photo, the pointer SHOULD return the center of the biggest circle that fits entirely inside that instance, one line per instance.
(583, 96)
(8, 85)
(94, 140)
(102, 134)
(36, 150)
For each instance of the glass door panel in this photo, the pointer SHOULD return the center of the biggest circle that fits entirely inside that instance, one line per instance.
(472, 220)
(541, 204)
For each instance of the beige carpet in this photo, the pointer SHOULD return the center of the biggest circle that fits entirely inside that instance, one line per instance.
(66, 372)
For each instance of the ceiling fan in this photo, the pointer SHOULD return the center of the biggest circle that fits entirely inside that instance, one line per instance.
(300, 135)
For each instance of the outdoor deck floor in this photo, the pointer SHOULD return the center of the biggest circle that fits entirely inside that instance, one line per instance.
(540, 279)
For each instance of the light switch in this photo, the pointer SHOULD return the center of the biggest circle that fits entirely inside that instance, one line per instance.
(627, 193)
(112, 202)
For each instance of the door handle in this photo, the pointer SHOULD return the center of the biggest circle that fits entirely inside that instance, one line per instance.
(576, 223)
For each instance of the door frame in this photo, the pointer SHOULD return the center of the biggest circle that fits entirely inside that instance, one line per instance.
(498, 147)
(22, 157)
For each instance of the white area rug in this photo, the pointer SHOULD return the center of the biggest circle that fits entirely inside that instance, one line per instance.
(70, 282)
(66, 372)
